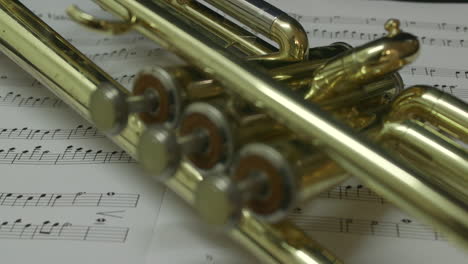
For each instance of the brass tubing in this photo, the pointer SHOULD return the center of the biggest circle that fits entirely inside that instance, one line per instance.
(328, 51)
(273, 23)
(38, 49)
(442, 110)
(297, 75)
(390, 178)
(378, 93)
(179, 85)
(427, 150)
(44, 54)
(362, 108)
(364, 64)
(231, 33)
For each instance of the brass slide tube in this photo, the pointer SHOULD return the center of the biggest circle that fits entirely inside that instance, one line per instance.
(231, 33)
(445, 112)
(73, 77)
(429, 152)
(273, 23)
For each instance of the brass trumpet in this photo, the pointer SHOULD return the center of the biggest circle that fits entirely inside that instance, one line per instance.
(247, 129)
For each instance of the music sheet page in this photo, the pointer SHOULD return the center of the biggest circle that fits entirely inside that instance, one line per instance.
(68, 195)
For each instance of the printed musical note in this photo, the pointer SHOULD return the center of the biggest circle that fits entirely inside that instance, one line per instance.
(353, 193)
(19, 100)
(100, 41)
(79, 199)
(79, 132)
(404, 229)
(365, 37)
(435, 72)
(28, 81)
(346, 20)
(124, 54)
(70, 156)
(49, 230)
(450, 89)
(378, 22)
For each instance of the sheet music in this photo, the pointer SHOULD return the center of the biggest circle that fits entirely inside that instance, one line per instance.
(68, 195)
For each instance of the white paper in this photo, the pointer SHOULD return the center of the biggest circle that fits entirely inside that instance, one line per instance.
(90, 204)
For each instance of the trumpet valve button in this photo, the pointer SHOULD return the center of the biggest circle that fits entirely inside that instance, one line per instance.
(159, 152)
(220, 199)
(217, 200)
(108, 109)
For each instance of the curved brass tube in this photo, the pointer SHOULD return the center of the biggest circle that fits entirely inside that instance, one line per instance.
(442, 110)
(427, 150)
(110, 27)
(273, 23)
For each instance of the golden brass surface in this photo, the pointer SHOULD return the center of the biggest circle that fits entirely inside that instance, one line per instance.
(271, 22)
(442, 110)
(364, 64)
(440, 120)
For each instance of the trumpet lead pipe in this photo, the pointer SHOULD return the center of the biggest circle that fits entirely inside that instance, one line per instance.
(265, 18)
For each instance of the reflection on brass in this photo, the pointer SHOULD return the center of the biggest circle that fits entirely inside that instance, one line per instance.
(442, 110)
(345, 102)
(364, 64)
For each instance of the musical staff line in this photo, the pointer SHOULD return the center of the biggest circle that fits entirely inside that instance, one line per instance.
(70, 156)
(343, 20)
(18, 100)
(373, 21)
(124, 54)
(357, 35)
(79, 199)
(119, 54)
(404, 229)
(62, 231)
(79, 132)
(352, 193)
(20, 80)
(435, 72)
